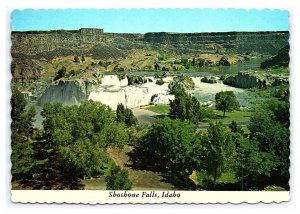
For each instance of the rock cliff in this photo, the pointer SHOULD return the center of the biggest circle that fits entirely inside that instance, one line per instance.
(282, 59)
(246, 79)
(253, 79)
(68, 92)
(90, 40)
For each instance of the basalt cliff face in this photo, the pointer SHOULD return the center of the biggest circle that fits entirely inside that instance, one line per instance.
(253, 79)
(262, 42)
(83, 40)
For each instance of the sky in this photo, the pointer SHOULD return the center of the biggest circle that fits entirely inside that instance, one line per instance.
(152, 20)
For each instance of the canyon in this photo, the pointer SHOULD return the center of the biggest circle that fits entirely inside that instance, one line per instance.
(70, 66)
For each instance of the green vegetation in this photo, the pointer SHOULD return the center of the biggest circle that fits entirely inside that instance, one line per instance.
(118, 179)
(218, 153)
(223, 157)
(79, 142)
(22, 132)
(226, 101)
(230, 116)
(171, 145)
(160, 108)
(125, 115)
(185, 106)
(77, 137)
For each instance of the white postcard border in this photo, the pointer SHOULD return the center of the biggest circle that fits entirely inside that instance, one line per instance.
(147, 197)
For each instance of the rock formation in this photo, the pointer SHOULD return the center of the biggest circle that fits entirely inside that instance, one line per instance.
(211, 80)
(95, 41)
(224, 61)
(282, 59)
(186, 82)
(246, 79)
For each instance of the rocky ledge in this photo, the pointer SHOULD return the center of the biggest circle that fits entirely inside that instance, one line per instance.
(254, 79)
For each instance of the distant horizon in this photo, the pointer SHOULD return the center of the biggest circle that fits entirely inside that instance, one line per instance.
(16, 31)
(141, 21)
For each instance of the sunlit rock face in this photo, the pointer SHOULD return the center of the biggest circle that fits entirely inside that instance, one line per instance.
(246, 79)
(71, 92)
(113, 91)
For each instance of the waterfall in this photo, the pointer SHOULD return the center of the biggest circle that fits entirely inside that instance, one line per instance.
(113, 91)
(113, 80)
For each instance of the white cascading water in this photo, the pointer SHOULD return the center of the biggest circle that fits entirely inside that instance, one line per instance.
(113, 91)
(113, 80)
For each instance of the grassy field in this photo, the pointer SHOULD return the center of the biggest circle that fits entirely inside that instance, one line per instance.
(237, 116)
(160, 109)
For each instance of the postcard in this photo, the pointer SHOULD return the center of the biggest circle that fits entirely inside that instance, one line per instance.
(150, 106)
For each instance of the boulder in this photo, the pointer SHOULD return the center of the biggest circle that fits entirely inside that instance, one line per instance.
(210, 80)
(135, 80)
(186, 82)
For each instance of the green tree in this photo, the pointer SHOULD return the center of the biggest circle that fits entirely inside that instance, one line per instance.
(251, 165)
(218, 151)
(226, 101)
(78, 136)
(118, 179)
(235, 128)
(82, 59)
(269, 126)
(125, 115)
(22, 131)
(185, 106)
(171, 145)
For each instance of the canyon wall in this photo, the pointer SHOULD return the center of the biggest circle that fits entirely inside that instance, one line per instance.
(33, 42)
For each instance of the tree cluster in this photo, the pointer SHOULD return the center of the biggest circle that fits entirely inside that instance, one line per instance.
(125, 115)
(21, 134)
(253, 161)
(70, 147)
(185, 106)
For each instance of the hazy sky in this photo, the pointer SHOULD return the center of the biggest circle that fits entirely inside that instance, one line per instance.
(152, 20)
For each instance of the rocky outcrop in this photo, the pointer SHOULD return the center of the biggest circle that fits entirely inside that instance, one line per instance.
(282, 59)
(68, 92)
(210, 80)
(136, 80)
(32, 42)
(224, 61)
(186, 82)
(246, 79)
